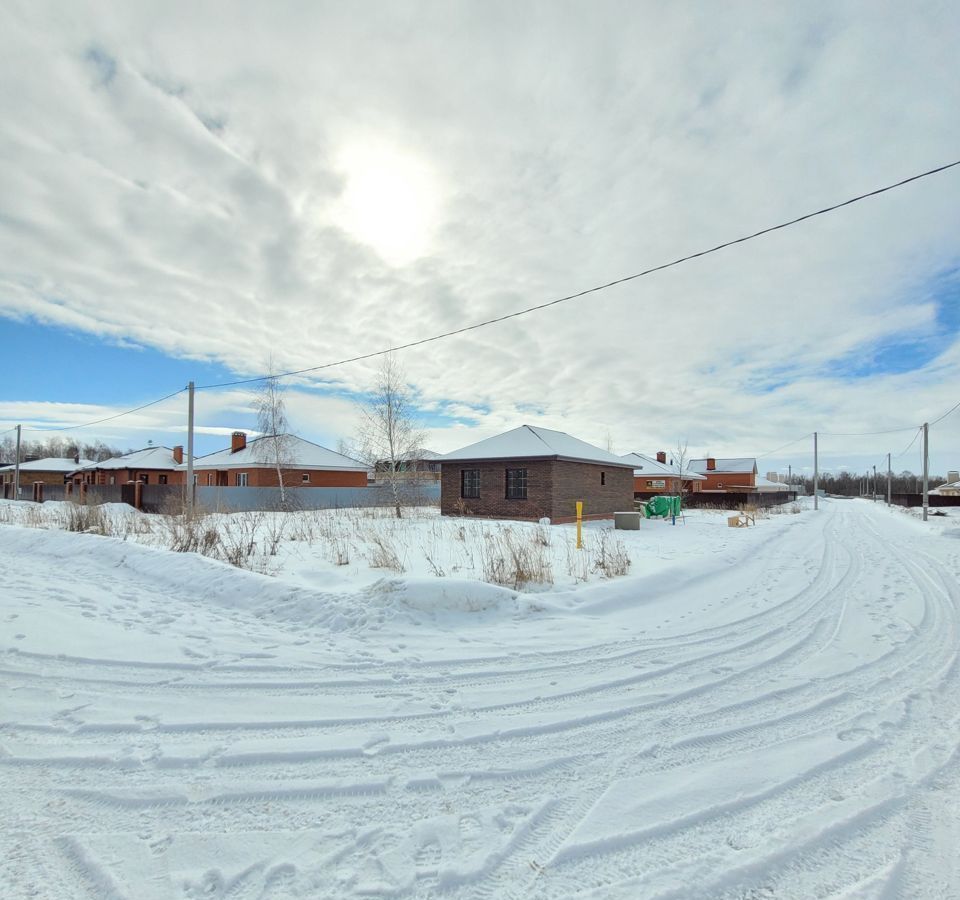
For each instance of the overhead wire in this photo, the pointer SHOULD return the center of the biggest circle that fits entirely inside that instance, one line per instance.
(784, 446)
(593, 290)
(119, 415)
(952, 409)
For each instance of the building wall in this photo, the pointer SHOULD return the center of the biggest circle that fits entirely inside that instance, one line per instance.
(640, 485)
(553, 488)
(291, 477)
(725, 481)
(604, 490)
(493, 488)
(122, 476)
(27, 477)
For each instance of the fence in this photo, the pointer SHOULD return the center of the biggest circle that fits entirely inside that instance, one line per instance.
(916, 499)
(164, 497)
(709, 500)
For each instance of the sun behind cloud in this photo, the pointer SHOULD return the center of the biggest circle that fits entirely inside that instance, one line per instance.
(391, 201)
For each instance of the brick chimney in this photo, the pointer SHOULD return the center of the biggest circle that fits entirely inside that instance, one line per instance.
(711, 464)
(178, 454)
(662, 456)
(238, 441)
(76, 459)
(952, 477)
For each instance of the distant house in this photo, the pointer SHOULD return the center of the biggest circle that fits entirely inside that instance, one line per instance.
(51, 470)
(657, 476)
(769, 485)
(738, 474)
(422, 465)
(532, 473)
(152, 465)
(951, 488)
(248, 464)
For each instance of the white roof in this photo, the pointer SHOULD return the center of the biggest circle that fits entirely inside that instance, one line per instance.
(148, 458)
(745, 464)
(645, 465)
(764, 484)
(256, 455)
(950, 486)
(528, 442)
(50, 464)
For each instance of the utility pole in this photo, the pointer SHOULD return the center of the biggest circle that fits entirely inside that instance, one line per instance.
(816, 473)
(889, 479)
(190, 488)
(926, 469)
(874, 494)
(16, 470)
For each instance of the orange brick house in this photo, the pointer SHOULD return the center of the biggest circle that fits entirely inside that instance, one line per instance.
(657, 476)
(726, 474)
(249, 464)
(152, 465)
(52, 470)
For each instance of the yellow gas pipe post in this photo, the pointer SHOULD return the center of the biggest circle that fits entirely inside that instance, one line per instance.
(579, 524)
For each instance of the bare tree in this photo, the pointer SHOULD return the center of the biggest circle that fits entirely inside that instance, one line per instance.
(390, 438)
(681, 463)
(274, 427)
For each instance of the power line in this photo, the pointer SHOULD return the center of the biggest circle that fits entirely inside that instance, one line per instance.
(905, 449)
(593, 290)
(790, 444)
(867, 433)
(111, 418)
(953, 408)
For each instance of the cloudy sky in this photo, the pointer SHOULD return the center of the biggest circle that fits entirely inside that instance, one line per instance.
(186, 189)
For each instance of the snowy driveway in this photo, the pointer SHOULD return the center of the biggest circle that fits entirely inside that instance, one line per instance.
(785, 726)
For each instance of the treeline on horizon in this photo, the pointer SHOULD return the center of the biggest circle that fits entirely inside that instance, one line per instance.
(853, 484)
(57, 448)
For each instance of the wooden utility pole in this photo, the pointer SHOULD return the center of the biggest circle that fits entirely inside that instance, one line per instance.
(889, 479)
(926, 469)
(16, 469)
(190, 489)
(873, 496)
(816, 473)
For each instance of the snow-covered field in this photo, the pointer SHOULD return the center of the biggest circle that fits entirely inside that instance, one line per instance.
(749, 713)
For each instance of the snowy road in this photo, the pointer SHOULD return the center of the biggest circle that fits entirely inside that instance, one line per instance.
(782, 722)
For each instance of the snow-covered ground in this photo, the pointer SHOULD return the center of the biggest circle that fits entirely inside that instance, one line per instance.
(750, 713)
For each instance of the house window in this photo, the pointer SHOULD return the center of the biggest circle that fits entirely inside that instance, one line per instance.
(144, 478)
(306, 478)
(603, 478)
(113, 479)
(516, 484)
(163, 479)
(470, 484)
(210, 478)
(241, 479)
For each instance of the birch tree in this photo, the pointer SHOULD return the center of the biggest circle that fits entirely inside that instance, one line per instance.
(273, 447)
(390, 437)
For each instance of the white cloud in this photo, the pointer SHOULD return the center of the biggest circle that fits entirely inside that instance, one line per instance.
(176, 176)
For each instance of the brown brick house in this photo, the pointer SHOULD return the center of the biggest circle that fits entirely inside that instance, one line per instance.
(248, 464)
(533, 473)
(152, 465)
(658, 476)
(52, 470)
(738, 474)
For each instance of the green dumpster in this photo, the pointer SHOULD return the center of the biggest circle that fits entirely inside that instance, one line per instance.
(662, 506)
